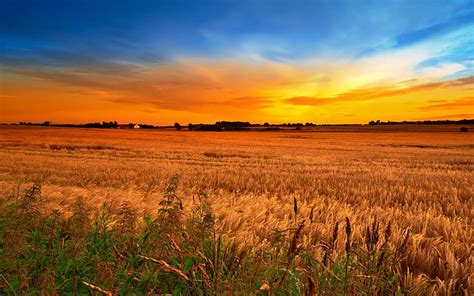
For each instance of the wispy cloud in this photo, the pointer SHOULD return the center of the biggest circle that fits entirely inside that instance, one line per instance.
(194, 86)
(449, 116)
(464, 103)
(443, 70)
(381, 92)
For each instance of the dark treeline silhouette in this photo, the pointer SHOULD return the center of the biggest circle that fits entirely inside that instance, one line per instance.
(463, 121)
(218, 126)
(238, 125)
(103, 124)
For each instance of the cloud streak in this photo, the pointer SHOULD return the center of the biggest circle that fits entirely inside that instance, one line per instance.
(467, 102)
(364, 94)
(192, 86)
(449, 116)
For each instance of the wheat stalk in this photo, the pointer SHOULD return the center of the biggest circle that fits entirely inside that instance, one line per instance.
(96, 288)
(165, 266)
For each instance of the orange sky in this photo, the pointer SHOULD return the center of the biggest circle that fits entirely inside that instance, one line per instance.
(208, 90)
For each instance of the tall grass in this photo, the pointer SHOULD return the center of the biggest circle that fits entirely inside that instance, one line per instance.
(183, 252)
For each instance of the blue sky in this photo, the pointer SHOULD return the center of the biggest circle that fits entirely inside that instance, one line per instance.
(81, 32)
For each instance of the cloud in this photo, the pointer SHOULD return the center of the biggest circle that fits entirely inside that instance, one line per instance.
(442, 70)
(188, 85)
(450, 116)
(309, 101)
(364, 94)
(188, 104)
(450, 23)
(457, 104)
(438, 101)
(246, 102)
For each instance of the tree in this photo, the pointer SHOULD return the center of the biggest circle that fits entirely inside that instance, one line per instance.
(177, 126)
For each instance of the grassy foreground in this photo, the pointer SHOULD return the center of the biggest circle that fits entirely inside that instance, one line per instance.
(182, 252)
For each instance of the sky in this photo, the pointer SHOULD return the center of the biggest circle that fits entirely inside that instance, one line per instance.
(160, 62)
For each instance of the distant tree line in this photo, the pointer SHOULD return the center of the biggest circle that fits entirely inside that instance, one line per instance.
(103, 124)
(235, 125)
(463, 121)
(238, 126)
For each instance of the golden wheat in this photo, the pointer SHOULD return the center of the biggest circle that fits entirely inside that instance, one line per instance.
(261, 183)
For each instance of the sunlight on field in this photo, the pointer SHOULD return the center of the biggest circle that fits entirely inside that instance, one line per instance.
(420, 180)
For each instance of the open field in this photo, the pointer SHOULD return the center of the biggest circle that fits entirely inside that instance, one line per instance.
(421, 179)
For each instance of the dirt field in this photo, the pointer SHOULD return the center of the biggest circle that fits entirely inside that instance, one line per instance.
(420, 178)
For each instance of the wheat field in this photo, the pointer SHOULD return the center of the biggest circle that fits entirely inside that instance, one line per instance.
(417, 179)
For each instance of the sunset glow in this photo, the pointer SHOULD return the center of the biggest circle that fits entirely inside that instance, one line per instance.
(276, 61)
